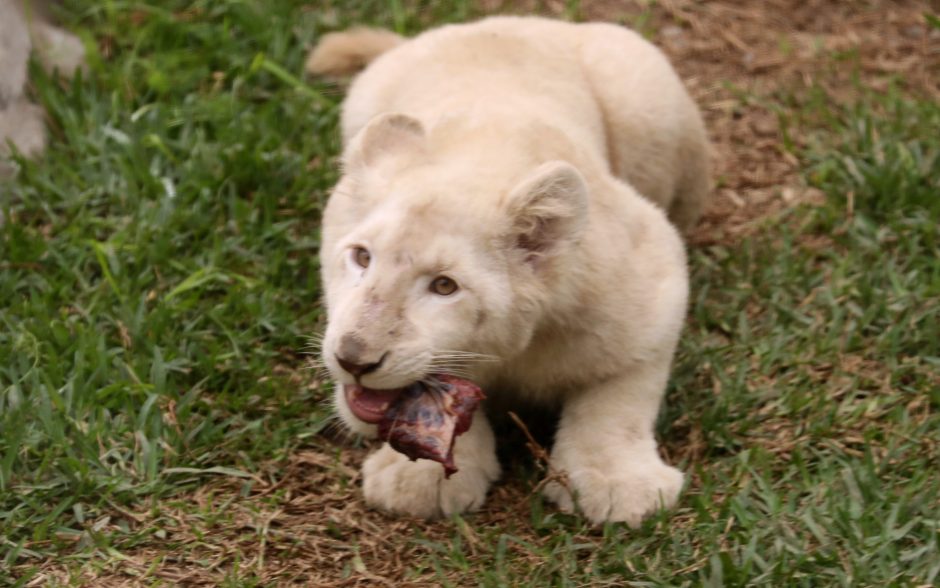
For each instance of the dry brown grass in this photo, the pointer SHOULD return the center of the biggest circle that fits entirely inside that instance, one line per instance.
(305, 526)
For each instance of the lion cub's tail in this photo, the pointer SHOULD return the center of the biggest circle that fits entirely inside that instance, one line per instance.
(347, 52)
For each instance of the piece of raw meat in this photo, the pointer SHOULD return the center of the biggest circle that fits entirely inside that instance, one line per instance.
(428, 416)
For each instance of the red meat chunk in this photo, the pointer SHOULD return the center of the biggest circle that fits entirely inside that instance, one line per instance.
(426, 418)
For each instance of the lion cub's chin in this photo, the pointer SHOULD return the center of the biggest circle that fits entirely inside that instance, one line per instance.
(353, 423)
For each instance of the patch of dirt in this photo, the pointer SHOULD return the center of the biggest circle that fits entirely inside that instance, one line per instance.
(305, 527)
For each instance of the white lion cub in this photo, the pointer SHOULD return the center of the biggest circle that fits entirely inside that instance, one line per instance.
(491, 223)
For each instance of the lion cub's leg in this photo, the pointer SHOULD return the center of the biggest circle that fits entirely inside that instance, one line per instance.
(394, 483)
(605, 445)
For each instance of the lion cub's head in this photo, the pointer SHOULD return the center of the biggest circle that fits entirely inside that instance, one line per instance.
(441, 251)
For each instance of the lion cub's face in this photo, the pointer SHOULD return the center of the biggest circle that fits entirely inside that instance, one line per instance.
(428, 268)
(411, 290)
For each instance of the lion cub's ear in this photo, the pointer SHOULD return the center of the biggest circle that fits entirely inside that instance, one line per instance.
(389, 133)
(548, 209)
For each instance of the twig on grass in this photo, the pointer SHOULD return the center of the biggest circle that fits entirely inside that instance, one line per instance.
(542, 461)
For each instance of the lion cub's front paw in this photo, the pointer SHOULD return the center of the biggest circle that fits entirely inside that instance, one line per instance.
(623, 492)
(396, 484)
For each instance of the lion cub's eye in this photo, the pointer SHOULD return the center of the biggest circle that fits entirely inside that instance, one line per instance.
(362, 256)
(443, 286)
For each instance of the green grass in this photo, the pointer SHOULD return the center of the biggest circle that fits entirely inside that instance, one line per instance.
(158, 283)
(159, 266)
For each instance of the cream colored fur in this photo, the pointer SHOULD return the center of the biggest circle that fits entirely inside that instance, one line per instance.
(24, 28)
(510, 155)
(340, 54)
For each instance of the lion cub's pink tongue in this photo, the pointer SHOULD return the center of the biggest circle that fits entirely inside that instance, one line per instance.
(426, 418)
(370, 405)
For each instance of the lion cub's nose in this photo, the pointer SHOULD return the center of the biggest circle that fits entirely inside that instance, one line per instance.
(351, 350)
(359, 369)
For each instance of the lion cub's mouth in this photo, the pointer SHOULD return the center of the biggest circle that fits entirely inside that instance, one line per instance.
(421, 420)
(370, 405)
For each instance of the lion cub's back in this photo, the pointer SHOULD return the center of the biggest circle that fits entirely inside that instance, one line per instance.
(495, 66)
